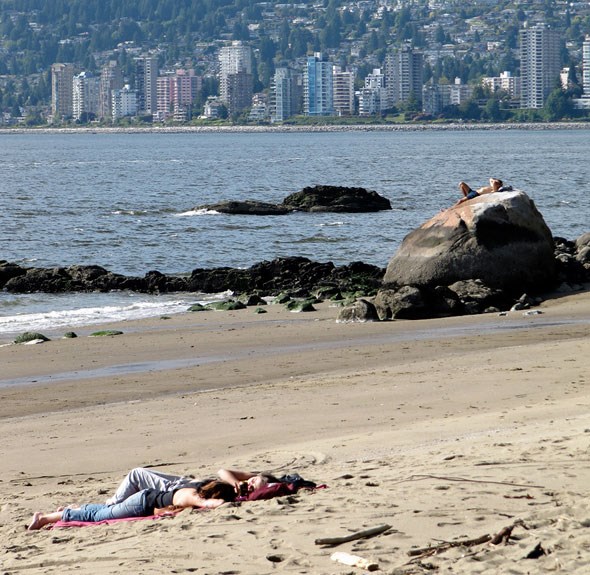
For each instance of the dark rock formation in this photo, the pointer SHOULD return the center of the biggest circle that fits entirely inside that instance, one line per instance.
(498, 238)
(336, 199)
(310, 199)
(299, 276)
(247, 207)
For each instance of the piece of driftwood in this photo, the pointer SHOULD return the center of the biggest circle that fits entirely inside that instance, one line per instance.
(501, 537)
(358, 535)
(354, 561)
(434, 549)
(504, 534)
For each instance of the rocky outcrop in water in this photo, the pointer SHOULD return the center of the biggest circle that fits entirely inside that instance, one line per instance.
(300, 276)
(310, 199)
(336, 199)
(246, 207)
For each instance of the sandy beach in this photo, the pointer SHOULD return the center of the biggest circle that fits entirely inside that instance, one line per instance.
(446, 430)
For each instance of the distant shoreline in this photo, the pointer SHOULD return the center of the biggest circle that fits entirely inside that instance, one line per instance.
(299, 129)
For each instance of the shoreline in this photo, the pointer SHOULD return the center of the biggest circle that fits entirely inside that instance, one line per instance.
(300, 129)
(443, 429)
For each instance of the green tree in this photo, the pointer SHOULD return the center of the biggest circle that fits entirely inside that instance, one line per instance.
(557, 106)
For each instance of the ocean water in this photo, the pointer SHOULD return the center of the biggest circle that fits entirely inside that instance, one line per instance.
(127, 201)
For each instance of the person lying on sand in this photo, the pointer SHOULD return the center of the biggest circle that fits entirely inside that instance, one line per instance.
(141, 478)
(144, 503)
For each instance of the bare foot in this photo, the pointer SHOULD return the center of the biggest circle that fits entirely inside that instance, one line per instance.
(36, 522)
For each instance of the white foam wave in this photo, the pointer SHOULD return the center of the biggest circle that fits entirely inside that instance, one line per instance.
(330, 224)
(66, 319)
(201, 212)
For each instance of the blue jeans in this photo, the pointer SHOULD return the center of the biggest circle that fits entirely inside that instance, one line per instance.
(142, 478)
(133, 506)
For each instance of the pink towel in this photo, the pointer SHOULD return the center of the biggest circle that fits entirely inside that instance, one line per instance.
(106, 521)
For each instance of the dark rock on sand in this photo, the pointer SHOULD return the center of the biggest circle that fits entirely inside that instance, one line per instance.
(361, 310)
(500, 239)
(29, 336)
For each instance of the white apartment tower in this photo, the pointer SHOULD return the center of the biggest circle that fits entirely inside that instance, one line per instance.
(62, 81)
(124, 103)
(84, 96)
(539, 64)
(586, 67)
(236, 82)
(343, 86)
(403, 75)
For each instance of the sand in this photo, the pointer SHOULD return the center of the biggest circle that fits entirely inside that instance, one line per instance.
(445, 430)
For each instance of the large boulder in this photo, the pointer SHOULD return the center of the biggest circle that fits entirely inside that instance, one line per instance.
(336, 199)
(499, 238)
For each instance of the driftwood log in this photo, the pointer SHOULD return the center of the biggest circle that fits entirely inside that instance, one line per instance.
(501, 537)
(357, 535)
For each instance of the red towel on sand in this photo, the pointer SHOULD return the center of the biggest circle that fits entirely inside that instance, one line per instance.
(105, 522)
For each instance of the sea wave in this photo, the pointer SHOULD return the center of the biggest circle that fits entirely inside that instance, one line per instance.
(58, 312)
(200, 212)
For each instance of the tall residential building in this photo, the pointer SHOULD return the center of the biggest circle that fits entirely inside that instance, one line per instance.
(85, 96)
(403, 75)
(111, 78)
(318, 93)
(286, 94)
(124, 103)
(539, 64)
(373, 97)
(62, 82)
(236, 81)
(586, 67)
(343, 82)
(146, 76)
(583, 103)
(176, 94)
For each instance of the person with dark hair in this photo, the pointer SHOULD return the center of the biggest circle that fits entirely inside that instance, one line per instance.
(141, 478)
(245, 482)
(144, 503)
(496, 185)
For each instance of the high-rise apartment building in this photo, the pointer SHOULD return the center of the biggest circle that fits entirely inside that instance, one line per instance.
(318, 92)
(85, 89)
(111, 78)
(62, 82)
(286, 94)
(236, 81)
(176, 94)
(539, 64)
(586, 67)
(146, 76)
(373, 97)
(124, 103)
(343, 89)
(403, 76)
